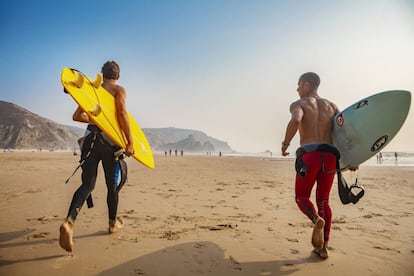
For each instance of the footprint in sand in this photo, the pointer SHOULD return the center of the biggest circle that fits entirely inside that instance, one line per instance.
(138, 271)
(38, 235)
(236, 264)
(63, 260)
(200, 245)
(294, 251)
(382, 248)
(287, 267)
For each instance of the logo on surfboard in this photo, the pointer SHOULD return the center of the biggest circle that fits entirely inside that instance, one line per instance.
(361, 104)
(379, 143)
(340, 119)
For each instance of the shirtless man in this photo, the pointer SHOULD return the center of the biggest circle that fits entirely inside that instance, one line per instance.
(316, 158)
(97, 147)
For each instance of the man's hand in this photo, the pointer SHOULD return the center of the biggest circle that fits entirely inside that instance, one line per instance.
(354, 168)
(129, 150)
(284, 148)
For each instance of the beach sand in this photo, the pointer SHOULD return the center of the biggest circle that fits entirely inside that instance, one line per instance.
(199, 215)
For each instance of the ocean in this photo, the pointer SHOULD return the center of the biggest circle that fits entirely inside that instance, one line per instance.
(388, 158)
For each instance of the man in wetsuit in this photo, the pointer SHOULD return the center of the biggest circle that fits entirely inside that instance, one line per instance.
(316, 160)
(97, 147)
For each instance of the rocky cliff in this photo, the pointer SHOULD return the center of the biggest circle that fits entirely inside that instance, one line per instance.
(184, 139)
(22, 129)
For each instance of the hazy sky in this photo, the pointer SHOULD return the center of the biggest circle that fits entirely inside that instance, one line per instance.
(227, 67)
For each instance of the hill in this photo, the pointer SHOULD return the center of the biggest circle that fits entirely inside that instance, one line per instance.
(22, 129)
(184, 139)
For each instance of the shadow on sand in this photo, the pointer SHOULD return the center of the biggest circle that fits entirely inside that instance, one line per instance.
(202, 258)
(36, 241)
(8, 236)
(4, 237)
(192, 258)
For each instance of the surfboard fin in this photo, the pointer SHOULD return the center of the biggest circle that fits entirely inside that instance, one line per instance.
(96, 110)
(347, 193)
(79, 79)
(98, 81)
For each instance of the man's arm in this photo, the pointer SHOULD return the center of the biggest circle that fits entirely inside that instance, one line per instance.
(120, 103)
(80, 116)
(293, 126)
(336, 109)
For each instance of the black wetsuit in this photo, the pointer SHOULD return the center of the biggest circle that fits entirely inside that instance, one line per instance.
(97, 147)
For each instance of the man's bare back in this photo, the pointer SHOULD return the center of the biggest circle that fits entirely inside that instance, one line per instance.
(113, 88)
(312, 116)
(315, 126)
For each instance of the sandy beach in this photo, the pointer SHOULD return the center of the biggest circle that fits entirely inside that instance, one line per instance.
(199, 215)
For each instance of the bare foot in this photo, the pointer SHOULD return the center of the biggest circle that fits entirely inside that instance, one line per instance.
(317, 234)
(66, 234)
(322, 253)
(113, 228)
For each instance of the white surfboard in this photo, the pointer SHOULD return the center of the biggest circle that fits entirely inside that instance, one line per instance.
(366, 127)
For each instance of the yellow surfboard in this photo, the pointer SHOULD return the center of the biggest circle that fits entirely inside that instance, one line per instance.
(99, 104)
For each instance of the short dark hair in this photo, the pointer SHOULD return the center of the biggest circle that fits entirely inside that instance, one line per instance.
(111, 70)
(312, 78)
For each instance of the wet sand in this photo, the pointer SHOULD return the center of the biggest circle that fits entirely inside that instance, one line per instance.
(199, 215)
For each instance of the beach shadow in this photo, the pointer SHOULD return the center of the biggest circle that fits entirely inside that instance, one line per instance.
(39, 240)
(9, 262)
(206, 258)
(32, 242)
(8, 236)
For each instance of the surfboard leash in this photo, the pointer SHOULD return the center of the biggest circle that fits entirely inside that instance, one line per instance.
(83, 159)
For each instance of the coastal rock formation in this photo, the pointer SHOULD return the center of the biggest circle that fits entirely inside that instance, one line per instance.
(184, 139)
(22, 129)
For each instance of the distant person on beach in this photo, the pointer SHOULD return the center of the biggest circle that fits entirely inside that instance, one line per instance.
(316, 159)
(98, 147)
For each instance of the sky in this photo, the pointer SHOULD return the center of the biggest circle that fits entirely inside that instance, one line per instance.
(226, 67)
